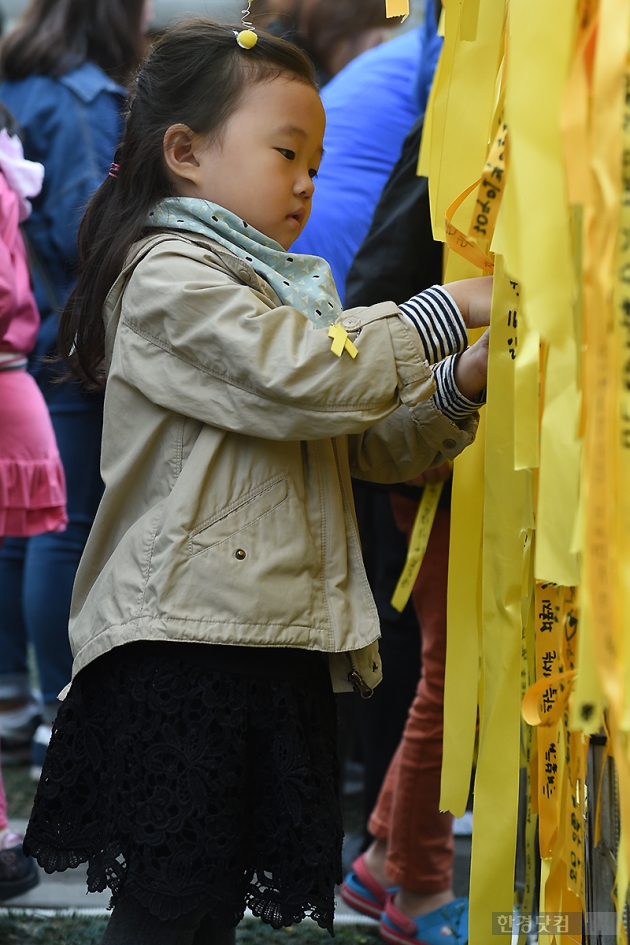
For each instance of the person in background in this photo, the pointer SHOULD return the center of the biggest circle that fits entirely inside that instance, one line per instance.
(370, 107)
(332, 32)
(63, 71)
(32, 491)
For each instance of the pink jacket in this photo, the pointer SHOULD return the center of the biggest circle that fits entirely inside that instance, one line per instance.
(19, 318)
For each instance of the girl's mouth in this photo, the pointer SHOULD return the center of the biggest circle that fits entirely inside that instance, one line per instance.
(298, 216)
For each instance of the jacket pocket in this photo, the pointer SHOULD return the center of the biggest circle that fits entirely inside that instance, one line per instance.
(238, 516)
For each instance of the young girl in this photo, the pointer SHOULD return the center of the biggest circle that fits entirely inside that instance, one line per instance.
(221, 597)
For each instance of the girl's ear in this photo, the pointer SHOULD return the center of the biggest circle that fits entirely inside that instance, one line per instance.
(180, 146)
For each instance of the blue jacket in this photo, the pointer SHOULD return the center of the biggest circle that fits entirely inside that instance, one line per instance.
(71, 125)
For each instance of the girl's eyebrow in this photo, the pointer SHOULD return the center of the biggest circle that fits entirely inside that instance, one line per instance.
(296, 130)
(292, 130)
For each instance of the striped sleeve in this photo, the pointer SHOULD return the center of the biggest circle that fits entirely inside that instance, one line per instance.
(438, 321)
(448, 397)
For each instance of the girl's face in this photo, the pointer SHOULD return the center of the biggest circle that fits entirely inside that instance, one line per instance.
(263, 164)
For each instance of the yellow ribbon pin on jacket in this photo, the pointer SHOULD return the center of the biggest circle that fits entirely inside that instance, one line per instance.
(341, 342)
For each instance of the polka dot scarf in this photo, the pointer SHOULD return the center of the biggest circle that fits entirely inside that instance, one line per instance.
(304, 282)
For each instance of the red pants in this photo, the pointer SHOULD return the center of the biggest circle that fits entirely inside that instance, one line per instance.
(407, 816)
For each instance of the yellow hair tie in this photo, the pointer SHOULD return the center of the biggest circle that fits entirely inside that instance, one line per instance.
(247, 39)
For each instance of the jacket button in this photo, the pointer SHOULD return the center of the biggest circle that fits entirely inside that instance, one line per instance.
(240, 554)
(350, 322)
(449, 444)
(243, 273)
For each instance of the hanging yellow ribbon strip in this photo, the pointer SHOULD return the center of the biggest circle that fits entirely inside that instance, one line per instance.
(507, 535)
(486, 210)
(397, 7)
(461, 244)
(454, 151)
(491, 185)
(463, 616)
(418, 542)
(546, 701)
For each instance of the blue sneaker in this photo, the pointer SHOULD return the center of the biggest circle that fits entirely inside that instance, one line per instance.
(445, 926)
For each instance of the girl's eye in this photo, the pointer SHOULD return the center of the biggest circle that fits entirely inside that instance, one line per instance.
(312, 173)
(285, 152)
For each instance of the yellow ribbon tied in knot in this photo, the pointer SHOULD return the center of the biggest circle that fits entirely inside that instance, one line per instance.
(341, 342)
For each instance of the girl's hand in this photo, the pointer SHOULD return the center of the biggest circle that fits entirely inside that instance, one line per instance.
(471, 368)
(473, 298)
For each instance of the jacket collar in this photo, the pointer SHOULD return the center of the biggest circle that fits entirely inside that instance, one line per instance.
(88, 80)
(299, 280)
(234, 264)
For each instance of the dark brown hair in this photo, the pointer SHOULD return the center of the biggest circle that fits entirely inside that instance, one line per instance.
(196, 75)
(323, 24)
(55, 36)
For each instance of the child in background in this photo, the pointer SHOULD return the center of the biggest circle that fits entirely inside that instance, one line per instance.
(221, 597)
(32, 492)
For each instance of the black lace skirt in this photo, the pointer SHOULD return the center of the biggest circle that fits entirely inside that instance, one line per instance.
(192, 776)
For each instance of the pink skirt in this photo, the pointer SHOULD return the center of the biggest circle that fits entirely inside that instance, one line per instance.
(32, 482)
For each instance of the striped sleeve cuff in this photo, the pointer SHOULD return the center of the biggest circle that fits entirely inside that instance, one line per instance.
(438, 321)
(448, 397)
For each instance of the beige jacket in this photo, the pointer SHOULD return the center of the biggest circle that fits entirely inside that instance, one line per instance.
(231, 432)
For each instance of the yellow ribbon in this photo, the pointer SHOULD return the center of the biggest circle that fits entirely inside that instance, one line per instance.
(508, 519)
(455, 140)
(341, 342)
(490, 191)
(397, 7)
(463, 620)
(491, 186)
(460, 243)
(546, 701)
(418, 542)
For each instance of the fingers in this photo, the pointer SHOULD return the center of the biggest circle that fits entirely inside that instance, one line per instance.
(484, 341)
(471, 369)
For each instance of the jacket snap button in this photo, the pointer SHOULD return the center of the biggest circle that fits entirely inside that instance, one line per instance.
(350, 323)
(449, 444)
(240, 554)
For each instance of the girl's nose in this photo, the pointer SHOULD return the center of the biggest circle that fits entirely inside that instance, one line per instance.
(305, 186)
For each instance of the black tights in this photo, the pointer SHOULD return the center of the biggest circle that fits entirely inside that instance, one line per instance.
(130, 924)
